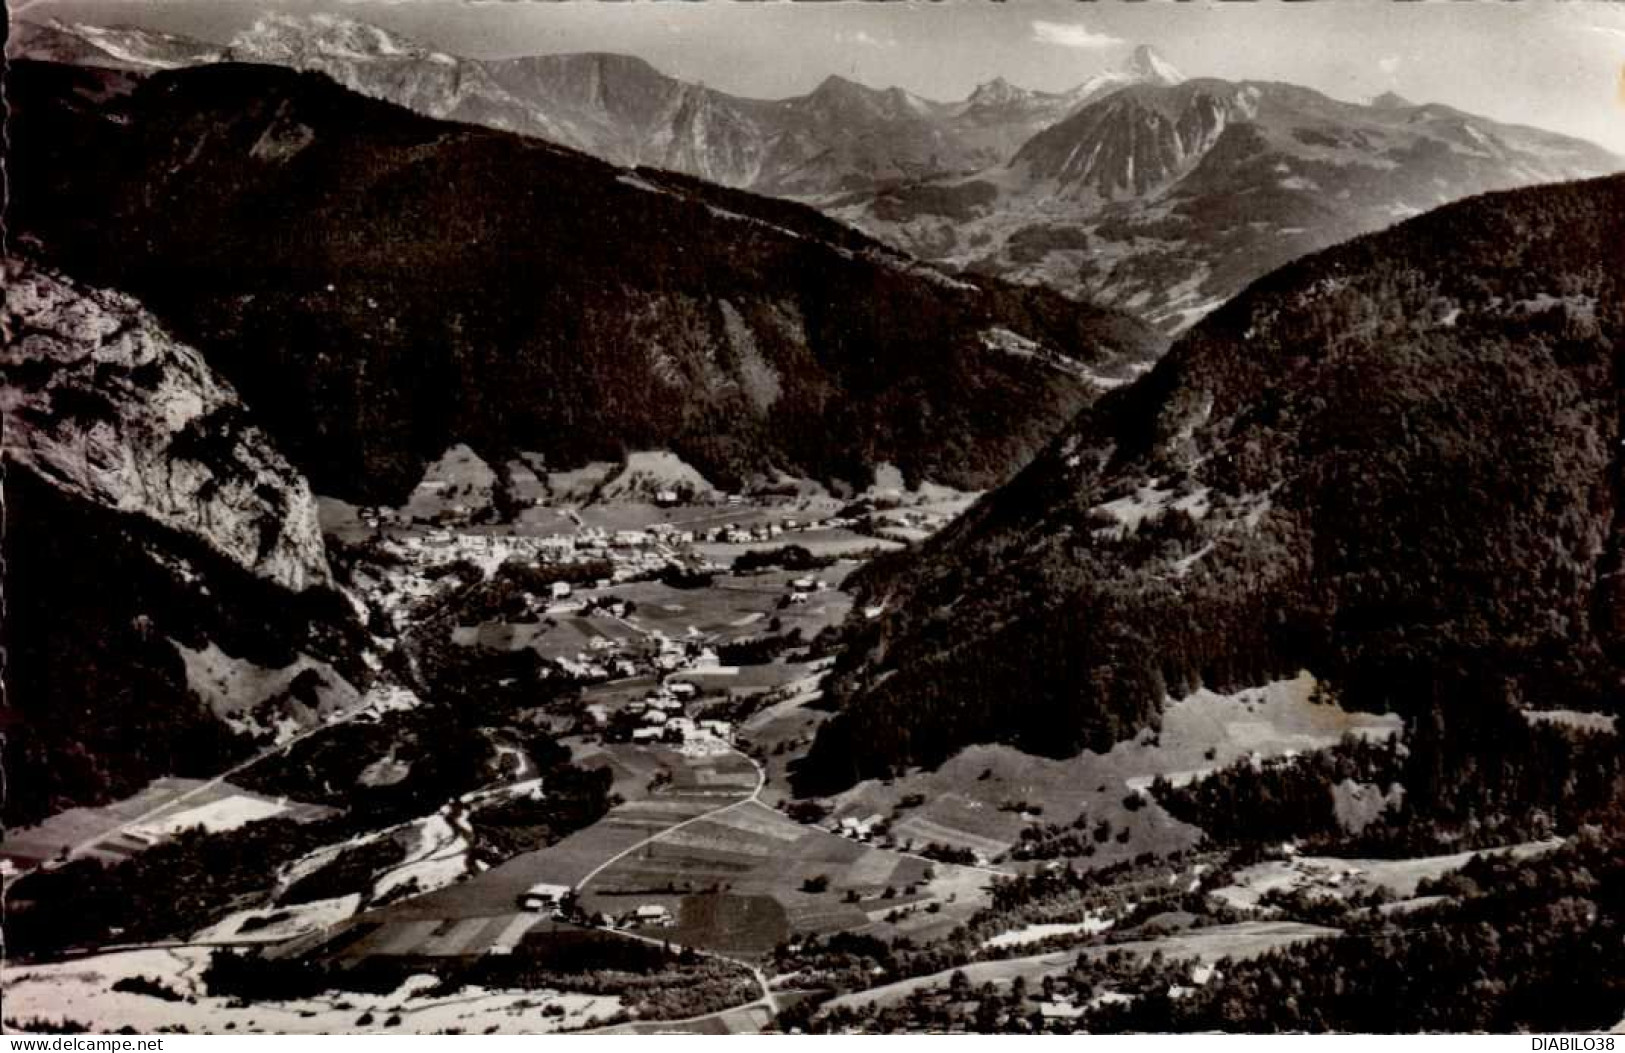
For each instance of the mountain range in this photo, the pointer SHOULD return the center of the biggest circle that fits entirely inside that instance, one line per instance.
(1138, 187)
(1395, 463)
(839, 137)
(1168, 199)
(381, 286)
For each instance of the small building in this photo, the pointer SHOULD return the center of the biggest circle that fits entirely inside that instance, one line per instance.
(544, 897)
(561, 590)
(651, 914)
(803, 585)
(682, 690)
(647, 734)
(717, 728)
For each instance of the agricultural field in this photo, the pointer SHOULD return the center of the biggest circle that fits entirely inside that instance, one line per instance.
(733, 607)
(114, 832)
(719, 875)
(985, 796)
(781, 730)
(825, 542)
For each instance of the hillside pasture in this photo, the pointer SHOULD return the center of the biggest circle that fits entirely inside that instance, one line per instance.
(982, 798)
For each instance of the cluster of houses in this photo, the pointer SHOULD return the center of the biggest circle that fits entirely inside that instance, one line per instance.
(634, 554)
(560, 900)
(606, 658)
(739, 534)
(662, 718)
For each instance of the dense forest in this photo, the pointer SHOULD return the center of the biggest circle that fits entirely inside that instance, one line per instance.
(1394, 463)
(379, 286)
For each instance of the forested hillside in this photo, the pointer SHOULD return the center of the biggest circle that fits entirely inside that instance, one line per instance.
(380, 285)
(1396, 463)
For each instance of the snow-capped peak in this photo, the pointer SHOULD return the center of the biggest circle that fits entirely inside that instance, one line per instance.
(1146, 65)
(283, 37)
(996, 92)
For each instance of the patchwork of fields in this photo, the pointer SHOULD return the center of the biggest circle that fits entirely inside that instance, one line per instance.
(719, 875)
(165, 807)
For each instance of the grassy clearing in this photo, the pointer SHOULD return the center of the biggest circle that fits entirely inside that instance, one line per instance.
(1344, 878)
(973, 800)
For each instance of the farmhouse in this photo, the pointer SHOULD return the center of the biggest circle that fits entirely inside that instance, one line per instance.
(682, 689)
(544, 897)
(651, 914)
(647, 734)
(860, 828)
(561, 590)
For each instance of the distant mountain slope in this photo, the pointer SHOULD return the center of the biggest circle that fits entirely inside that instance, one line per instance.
(1168, 199)
(1397, 463)
(381, 286)
(151, 532)
(840, 137)
(109, 47)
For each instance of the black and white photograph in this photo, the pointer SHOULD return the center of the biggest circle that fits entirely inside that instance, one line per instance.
(813, 517)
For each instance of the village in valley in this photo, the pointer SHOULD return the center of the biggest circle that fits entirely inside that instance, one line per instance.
(674, 639)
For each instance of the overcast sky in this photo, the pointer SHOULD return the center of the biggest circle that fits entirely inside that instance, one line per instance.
(1558, 64)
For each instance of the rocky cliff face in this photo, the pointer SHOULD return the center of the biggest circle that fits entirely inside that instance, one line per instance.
(103, 404)
(168, 599)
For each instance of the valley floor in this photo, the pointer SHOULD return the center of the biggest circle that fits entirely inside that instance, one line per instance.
(779, 908)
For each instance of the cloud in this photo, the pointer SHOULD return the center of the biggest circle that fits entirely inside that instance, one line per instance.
(1072, 35)
(864, 39)
(1388, 63)
(1612, 31)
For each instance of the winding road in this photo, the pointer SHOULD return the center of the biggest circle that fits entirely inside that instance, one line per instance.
(754, 797)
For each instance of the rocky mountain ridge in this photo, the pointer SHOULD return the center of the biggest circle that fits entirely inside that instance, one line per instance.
(1169, 199)
(839, 137)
